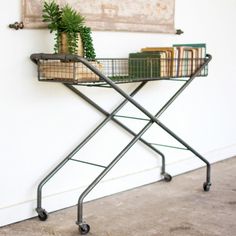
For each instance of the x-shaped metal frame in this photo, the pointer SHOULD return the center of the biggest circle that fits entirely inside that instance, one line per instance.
(84, 228)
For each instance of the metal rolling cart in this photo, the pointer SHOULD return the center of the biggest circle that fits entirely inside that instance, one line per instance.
(74, 71)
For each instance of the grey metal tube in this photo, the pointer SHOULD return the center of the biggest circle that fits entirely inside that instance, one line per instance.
(171, 100)
(189, 148)
(104, 172)
(62, 163)
(45, 180)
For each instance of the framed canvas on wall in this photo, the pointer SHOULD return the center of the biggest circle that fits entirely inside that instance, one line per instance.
(116, 15)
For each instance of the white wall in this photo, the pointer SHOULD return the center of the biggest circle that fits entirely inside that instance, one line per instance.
(42, 122)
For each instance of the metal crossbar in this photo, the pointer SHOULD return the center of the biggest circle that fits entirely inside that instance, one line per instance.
(88, 163)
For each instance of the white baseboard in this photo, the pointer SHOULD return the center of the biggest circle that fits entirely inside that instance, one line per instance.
(22, 211)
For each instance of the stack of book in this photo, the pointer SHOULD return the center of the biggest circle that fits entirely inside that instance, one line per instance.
(181, 60)
(189, 58)
(166, 55)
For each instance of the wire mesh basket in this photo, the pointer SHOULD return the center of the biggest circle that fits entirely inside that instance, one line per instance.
(151, 68)
(67, 71)
(119, 69)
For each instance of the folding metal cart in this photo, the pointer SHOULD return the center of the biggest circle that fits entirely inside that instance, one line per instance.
(74, 71)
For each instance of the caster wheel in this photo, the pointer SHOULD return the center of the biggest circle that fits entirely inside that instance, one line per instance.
(206, 186)
(43, 215)
(167, 177)
(84, 229)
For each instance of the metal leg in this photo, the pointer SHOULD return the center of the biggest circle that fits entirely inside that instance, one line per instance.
(207, 184)
(42, 214)
(105, 171)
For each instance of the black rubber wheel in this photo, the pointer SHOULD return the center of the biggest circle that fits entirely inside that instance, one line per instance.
(206, 186)
(167, 177)
(84, 229)
(43, 215)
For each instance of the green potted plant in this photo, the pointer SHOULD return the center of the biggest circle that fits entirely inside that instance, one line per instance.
(71, 34)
